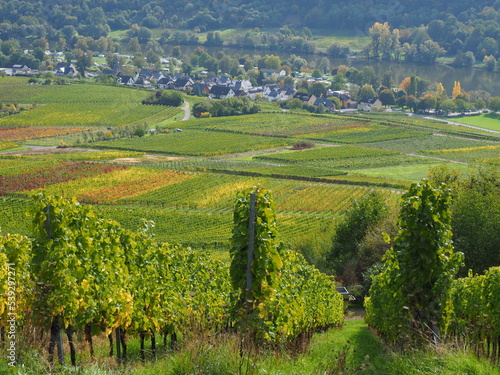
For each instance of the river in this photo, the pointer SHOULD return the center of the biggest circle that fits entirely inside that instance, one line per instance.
(470, 78)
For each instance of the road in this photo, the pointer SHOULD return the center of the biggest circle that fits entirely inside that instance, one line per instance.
(187, 111)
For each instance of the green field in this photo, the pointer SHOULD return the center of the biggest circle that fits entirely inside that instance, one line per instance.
(406, 172)
(428, 143)
(484, 120)
(355, 41)
(89, 114)
(195, 142)
(475, 155)
(74, 108)
(19, 91)
(327, 153)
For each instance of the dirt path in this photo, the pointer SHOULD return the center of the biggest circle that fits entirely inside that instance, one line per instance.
(187, 111)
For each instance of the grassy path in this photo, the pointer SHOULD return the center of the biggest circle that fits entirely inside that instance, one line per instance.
(350, 350)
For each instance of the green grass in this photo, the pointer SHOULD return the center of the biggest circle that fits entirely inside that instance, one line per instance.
(356, 41)
(485, 120)
(351, 164)
(428, 124)
(352, 349)
(413, 172)
(73, 139)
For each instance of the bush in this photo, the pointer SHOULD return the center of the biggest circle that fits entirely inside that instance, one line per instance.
(224, 107)
(168, 98)
(302, 145)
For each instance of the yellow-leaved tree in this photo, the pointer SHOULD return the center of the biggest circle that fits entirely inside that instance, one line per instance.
(457, 89)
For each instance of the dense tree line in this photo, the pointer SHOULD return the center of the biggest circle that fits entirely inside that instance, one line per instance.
(48, 15)
(469, 42)
(361, 237)
(465, 25)
(286, 39)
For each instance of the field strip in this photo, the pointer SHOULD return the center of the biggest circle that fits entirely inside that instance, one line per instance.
(455, 123)
(441, 159)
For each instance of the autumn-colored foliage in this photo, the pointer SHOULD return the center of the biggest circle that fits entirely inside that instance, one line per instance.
(52, 174)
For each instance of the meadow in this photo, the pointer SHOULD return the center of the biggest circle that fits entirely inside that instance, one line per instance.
(484, 120)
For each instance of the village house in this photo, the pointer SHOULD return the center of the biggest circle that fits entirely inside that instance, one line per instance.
(223, 81)
(367, 104)
(306, 98)
(183, 83)
(255, 93)
(273, 95)
(64, 69)
(343, 96)
(273, 73)
(151, 74)
(143, 82)
(221, 92)
(200, 89)
(19, 70)
(239, 93)
(329, 104)
(125, 80)
(242, 84)
(109, 72)
(165, 82)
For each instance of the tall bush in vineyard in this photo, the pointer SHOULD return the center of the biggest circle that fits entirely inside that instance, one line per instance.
(421, 268)
(344, 256)
(254, 277)
(277, 295)
(77, 268)
(15, 283)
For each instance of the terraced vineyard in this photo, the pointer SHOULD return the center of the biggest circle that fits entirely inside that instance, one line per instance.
(427, 143)
(23, 133)
(477, 155)
(75, 155)
(194, 142)
(4, 145)
(187, 181)
(17, 90)
(89, 114)
(72, 109)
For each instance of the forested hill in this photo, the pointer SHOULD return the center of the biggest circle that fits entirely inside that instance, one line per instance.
(50, 18)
